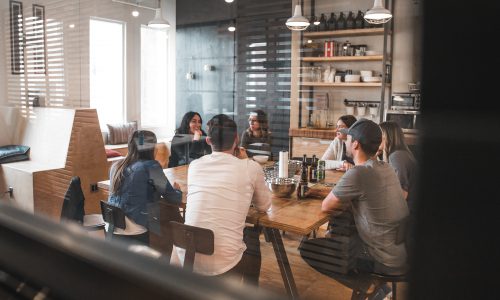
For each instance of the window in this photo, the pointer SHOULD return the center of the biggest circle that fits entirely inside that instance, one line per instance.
(154, 102)
(107, 72)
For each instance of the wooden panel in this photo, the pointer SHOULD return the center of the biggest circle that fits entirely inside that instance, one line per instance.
(344, 58)
(346, 32)
(86, 158)
(309, 146)
(328, 134)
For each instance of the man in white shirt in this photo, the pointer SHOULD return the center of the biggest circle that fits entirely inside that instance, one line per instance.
(221, 187)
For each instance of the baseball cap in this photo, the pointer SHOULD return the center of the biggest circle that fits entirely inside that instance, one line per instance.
(365, 131)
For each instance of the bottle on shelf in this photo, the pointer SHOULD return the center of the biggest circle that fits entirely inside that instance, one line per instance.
(332, 22)
(349, 23)
(346, 48)
(359, 22)
(313, 21)
(323, 26)
(341, 22)
(321, 171)
(302, 187)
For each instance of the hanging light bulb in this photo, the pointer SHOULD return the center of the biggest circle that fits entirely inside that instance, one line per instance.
(159, 21)
(231, 26)
(229, 1)
(135, 13)
(378, 14)
(297, 22)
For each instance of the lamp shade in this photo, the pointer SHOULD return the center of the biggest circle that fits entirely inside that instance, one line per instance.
(297, 22)
(378, 14)
(158, 21)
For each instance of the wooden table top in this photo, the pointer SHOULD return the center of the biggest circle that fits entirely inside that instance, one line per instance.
(288, 214)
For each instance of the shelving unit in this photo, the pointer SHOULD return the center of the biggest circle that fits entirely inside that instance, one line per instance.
(307, 88)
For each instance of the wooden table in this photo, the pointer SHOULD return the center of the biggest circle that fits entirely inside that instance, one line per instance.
(286, 214)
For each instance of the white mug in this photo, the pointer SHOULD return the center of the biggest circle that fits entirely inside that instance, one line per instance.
(338, 78)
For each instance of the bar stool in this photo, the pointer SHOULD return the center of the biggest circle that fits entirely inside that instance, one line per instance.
(194, 240)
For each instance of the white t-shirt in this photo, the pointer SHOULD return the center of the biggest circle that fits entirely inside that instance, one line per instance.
(220, 190)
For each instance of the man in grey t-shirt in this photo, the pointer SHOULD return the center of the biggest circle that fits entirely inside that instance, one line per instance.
(373, 192)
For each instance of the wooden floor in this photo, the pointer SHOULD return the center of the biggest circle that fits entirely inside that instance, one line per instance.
(310, 283)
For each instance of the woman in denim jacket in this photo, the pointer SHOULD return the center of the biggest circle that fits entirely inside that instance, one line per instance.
(136, 180)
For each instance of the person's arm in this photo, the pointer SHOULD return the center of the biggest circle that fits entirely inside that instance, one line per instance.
(261, 196)
(330, 203)
(163, 186)
(333, 155)
(244, 139)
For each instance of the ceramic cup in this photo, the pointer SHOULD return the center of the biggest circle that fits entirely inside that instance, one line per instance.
(361, 110)
(338, 78)
(373, 110)
(349, 110)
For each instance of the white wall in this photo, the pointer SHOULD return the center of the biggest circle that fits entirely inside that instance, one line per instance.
(76, 48)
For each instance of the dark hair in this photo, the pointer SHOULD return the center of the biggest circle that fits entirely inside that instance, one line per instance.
(222, 132)
(262, 118)
(348, 120)
(184, 127)
(394, 139)
(141, 146)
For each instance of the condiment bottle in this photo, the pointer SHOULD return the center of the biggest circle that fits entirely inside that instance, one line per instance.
(321, 171)
(302, 188)
(313, 171)
(323, 26)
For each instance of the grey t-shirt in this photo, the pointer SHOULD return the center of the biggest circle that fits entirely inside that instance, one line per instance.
(378, 207)
(406, 169)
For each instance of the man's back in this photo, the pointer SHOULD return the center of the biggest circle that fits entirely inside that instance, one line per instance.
(220, 190)
(378, 207)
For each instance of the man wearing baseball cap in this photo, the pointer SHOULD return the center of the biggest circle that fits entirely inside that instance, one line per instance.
(371, 190)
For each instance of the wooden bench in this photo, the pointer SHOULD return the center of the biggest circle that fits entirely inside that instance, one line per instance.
(64, 143)
(162, 153)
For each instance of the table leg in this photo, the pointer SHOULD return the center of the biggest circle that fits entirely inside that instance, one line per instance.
(281, 257)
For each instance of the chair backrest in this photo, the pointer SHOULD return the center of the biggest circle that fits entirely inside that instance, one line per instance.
(74, 201)
(112, 215)
(194, 240)
(160, 227)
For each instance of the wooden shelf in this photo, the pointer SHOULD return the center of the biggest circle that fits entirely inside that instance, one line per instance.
(347, 32)
(344, 84)
(344, 58)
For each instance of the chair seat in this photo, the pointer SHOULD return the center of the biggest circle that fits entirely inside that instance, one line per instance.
(93, 222)
(390, 278)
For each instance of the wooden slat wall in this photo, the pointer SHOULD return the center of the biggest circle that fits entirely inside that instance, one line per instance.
(86, 158)
(263, 65)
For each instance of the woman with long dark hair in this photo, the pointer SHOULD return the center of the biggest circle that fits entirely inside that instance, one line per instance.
(134, 183)
(399, 156)
(189, 142)
(335, 156)
(256, 139)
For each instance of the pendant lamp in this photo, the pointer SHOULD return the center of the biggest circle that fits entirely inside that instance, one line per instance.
(297, 22)
(159, 21)
(378, 14)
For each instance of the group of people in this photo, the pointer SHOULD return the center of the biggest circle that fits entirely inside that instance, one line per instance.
(189, 142)
(378, 188)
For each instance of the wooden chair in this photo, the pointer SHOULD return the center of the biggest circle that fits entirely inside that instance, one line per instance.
(73, 207)
(194, 240)
(115, 217)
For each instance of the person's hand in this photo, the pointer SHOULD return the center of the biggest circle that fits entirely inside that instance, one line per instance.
(197, 135)
(240, 153)
(346, 166)
(176, 186)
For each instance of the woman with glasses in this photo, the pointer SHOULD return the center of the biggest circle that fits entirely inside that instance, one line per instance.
(256, 139)
(134, 184)
(335, 156)
(189, 142)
